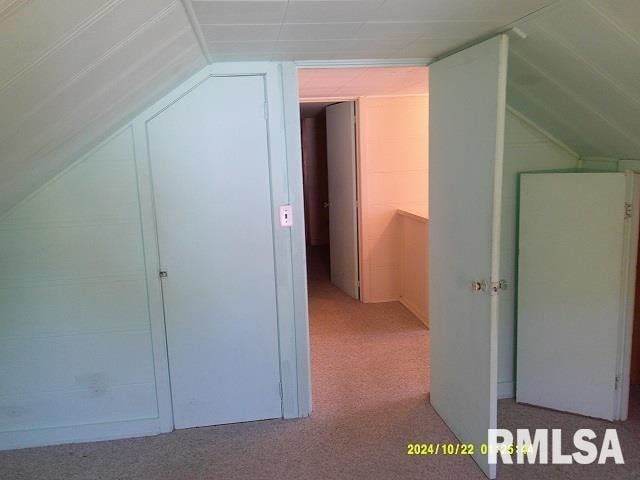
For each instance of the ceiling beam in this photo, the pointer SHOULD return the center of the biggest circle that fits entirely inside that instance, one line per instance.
(197, 30)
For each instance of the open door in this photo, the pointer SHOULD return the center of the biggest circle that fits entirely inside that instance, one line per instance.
(343, 213)
(467, 110)
(575, 281)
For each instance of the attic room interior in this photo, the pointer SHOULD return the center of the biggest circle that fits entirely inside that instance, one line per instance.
(341, 239)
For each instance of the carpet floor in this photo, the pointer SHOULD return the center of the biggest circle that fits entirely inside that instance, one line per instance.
(370, 384)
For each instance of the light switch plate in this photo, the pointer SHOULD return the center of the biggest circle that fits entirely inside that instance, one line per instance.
(286, 219)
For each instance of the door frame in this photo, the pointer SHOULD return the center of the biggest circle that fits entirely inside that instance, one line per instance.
(630, 255)
(292, 352)
(359, 187)
(291, 100)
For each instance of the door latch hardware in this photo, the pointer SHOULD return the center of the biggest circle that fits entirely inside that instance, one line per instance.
(163, 274)
(479, 286)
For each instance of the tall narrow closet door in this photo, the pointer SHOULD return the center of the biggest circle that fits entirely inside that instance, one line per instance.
(467, 109)
(210, 167)
(573, 254)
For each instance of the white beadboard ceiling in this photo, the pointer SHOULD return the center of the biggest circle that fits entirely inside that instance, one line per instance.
(577, 75)
(337, 83)
(72, 71)
(348, 29)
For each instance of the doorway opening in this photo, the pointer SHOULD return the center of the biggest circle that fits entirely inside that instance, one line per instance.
(364, 133)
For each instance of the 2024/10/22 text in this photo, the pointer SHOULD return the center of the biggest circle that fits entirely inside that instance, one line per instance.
(460, 449)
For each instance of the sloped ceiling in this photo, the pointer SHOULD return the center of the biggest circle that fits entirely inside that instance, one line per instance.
(71, 71)
(577, 75)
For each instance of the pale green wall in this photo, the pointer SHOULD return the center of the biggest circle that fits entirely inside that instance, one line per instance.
(82, 342)
(610, 164)
(526, 149)
(75, 344)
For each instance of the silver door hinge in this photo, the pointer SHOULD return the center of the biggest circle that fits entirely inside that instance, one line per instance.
(627, 210)
(280, 388)
(492, 288)
(617, 383)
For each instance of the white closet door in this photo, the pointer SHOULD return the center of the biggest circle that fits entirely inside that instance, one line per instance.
(343, 213)
(571, 286)
(467, 109)
(210, 167)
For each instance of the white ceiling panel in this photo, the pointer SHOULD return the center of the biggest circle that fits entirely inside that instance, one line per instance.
(241, 33)
(72, 70)
(319, 31)
(577, 74)
(239, 11)
(499, 11)
(312, 11)
(403, 28)
(28, 33)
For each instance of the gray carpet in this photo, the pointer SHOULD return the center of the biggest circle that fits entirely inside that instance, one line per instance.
(370, 379)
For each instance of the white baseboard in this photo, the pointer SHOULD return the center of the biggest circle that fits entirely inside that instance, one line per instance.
(79, 433)
(505, 390)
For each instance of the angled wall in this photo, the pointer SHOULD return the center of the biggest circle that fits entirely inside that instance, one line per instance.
(75, 340)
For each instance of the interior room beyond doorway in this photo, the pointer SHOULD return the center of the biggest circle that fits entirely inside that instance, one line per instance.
(365, 170)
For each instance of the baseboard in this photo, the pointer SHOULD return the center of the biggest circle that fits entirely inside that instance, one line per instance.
(79, 434)
(505, 390)
(413, 309)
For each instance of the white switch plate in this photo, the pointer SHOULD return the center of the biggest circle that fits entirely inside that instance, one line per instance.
(286, 219)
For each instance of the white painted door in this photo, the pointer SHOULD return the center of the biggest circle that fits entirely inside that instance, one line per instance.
(467, 109)
(210, 167)
(343, 213)
(573, 242)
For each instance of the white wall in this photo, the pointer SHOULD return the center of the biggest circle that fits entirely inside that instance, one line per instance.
(75, 342)
(526, 149)
(393, 168)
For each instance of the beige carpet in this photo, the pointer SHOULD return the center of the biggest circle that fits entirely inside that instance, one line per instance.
(370, 379)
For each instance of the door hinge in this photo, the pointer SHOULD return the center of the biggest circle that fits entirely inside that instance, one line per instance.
(627, 210)
(266, 111)
(280, 388)
(617, 382)
(492, 288)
